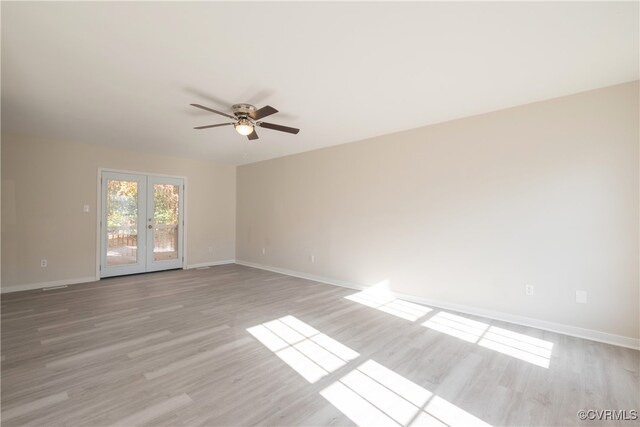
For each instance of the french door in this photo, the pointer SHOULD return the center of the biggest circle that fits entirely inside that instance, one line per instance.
(142, 223)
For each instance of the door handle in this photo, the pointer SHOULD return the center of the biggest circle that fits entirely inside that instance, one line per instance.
(150, 226)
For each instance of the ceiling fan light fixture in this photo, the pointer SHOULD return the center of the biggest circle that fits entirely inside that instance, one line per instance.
(244, 127)
(245, 119)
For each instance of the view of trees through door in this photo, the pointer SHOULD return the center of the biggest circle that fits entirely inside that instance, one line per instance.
(122, 222)
(166, 199)
(141, 223)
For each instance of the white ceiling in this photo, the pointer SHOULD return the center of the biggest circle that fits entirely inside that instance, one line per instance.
(124, 74)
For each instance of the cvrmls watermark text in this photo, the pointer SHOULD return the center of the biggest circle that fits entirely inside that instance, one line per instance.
(608, 415)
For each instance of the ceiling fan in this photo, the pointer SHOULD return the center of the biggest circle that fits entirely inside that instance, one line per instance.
(246, 117)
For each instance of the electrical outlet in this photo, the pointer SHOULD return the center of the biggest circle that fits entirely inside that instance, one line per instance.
(264, 251)
(43, 263)
(312, 258)
(581, 297)
(528, 290)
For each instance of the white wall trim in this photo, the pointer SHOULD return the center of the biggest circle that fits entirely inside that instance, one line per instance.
(559, 328)
(41, 285)
(574, 331)
(293, 273)
(211, 263)
(89, 279)
(99, 223)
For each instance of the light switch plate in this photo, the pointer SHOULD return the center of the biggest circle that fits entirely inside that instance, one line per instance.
(85, 208)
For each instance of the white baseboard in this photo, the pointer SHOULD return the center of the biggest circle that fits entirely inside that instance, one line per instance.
(78, 280)
(560, 328)
(574, 331)
(41, 285)
(211, 264)
(320, 279)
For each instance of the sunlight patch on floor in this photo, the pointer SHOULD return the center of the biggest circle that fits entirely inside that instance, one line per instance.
(457, 326)
(310, 353)
(383, 300)
(375, 395)
(520, 346)
(523, 347)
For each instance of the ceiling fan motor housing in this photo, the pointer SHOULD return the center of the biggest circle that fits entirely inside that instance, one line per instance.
(243, 110)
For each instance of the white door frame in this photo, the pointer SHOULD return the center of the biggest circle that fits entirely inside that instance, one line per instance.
(99, 212)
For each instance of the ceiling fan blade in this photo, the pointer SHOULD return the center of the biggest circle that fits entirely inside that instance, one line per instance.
(214, 111)
(278, 127)
(213, 126)
(265, 111)
(253, 135)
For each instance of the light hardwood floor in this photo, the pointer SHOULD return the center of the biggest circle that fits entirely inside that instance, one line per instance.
(233, 345)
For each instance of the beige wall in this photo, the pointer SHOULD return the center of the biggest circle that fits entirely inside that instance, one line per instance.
(466, 212)
(469, 211)
(46, 183)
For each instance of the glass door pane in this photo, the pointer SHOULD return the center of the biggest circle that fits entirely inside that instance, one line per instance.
(164, 223)
(166, 216)
(122, 222)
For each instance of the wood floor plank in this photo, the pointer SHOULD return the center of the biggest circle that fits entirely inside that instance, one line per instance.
(46, 313)
(121, 322)
(195, 359)
(155, 411)
(33, 406)
(85, 319)
(181, 340)
(92, 330)
(106, 349)
(13, 313)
